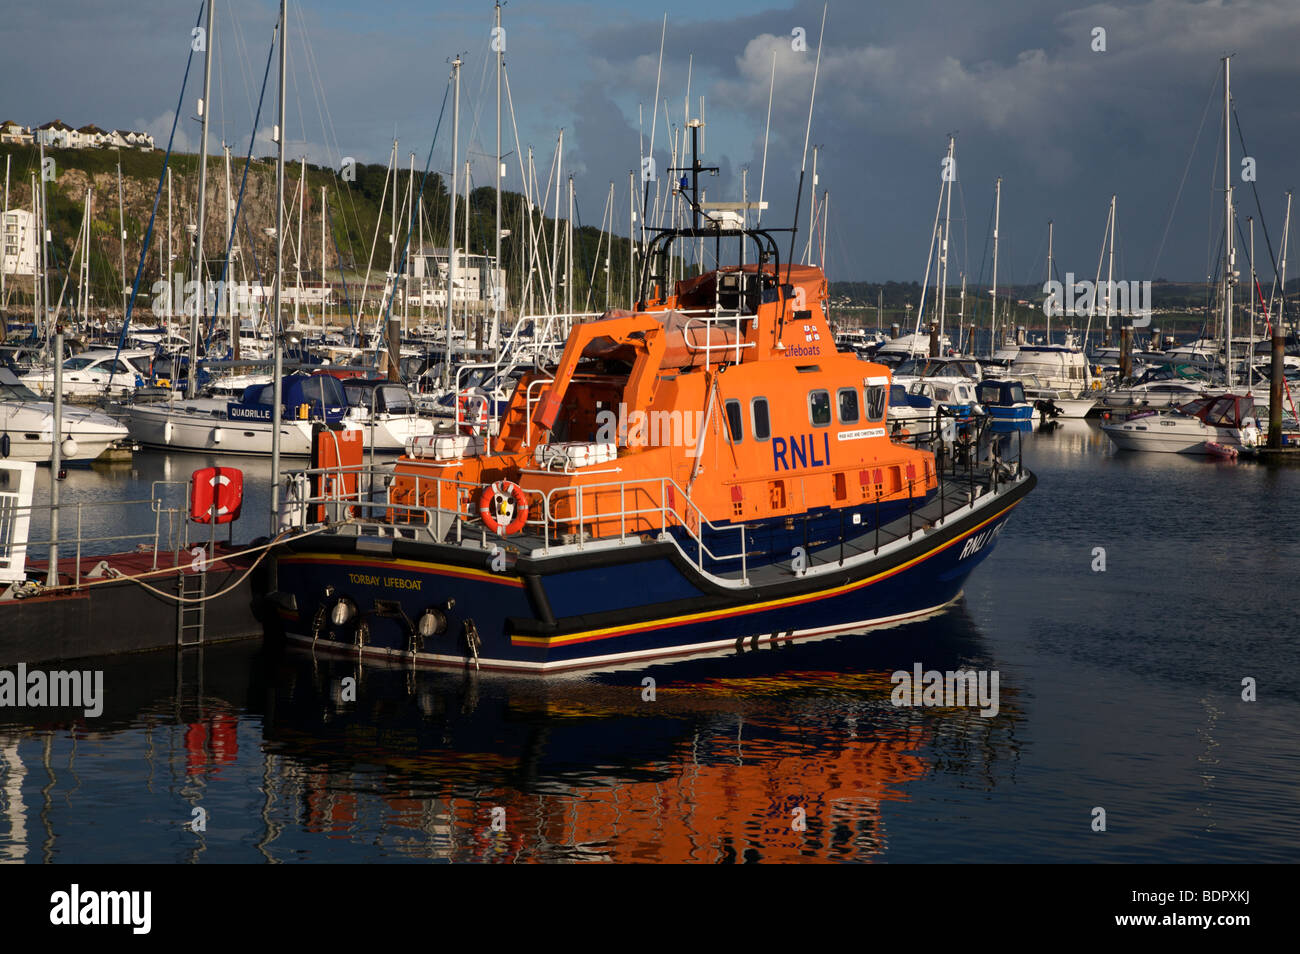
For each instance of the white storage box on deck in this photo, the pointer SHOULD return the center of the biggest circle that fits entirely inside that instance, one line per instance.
(573, 454)
(445, 446)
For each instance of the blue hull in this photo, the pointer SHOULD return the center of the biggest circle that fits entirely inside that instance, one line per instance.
(609, 605)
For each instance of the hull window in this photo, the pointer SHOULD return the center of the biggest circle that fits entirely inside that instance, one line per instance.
(734, 421)
(848, 402)
(762, 426)
(819, 407)
(876, 402)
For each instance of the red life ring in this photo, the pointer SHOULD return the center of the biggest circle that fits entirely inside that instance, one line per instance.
(470, 423)
(492, 507)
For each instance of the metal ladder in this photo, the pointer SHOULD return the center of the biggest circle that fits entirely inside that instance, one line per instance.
(190, 617)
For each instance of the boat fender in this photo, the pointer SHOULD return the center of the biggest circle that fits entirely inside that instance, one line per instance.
(493, 507)
(4, 445)
(167, 432)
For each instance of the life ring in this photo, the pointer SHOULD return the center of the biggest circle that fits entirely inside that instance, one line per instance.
(495, 503)
(471, 422)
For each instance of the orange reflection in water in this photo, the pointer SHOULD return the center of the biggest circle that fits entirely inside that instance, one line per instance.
(738, 788)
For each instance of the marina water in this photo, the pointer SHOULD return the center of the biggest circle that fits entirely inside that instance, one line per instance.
(1119, 688)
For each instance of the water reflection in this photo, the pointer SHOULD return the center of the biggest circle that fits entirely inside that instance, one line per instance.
(287, 767)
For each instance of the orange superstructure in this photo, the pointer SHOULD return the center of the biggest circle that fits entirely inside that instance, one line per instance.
(753, 416)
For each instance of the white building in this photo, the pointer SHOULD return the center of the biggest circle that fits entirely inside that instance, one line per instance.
(15, 133)
(57, 134)
(18, 243)
(476, 279)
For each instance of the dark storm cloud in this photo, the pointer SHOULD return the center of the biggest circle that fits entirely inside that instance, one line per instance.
(1016, 80)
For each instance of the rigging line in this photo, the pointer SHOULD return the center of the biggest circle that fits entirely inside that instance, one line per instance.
(243, 183)
(1215, 205)
(807, 134)
(338, 256)
(1155, 264)
(929, 257)
(139, 269)
(654, 119)
(762, 179)
(329, 131)
(1241, 137)
(411, 221)
(241, 56)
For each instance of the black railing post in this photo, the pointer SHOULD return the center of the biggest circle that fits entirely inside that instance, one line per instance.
(877, 519)
(910, 501)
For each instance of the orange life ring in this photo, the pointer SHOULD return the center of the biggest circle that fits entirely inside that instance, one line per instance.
(492, 507)
(470, 423)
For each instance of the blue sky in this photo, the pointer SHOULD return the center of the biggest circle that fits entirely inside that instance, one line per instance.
(1016, 80)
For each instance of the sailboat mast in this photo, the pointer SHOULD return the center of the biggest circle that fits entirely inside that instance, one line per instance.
(4, 220)
(631, 240)
(44, 225)
(943, 239)
(997, 221)
(451, 231)
(167, 272)
(121, 233)
(232, 313)
(498, 273)
(201, 306)
(1110, 268)
(277, 373)
(1250, 302)
(323, 328)
(1229, 253)
(1049, 278)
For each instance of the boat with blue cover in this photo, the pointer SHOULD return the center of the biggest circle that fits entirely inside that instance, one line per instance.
(1004, 402)
(244, 426)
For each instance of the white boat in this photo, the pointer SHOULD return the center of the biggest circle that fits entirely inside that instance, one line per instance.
(914, 344)
(243, 426)
(386, 413)
(27, 426)
(90, 373)
(1225, 420)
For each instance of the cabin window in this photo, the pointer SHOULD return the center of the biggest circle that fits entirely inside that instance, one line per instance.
(762, 427)
(819, 407)
(733, 421)
(875, 402)
(848, 402)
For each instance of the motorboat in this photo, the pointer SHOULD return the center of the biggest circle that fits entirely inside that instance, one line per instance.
(1226, 420)
(27, 426)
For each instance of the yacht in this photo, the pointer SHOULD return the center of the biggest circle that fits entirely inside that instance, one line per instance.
(1225, 420)
(27, 426)
(213, 425)
(92, 373)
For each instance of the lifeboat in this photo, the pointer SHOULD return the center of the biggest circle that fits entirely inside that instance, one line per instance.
(700, 472)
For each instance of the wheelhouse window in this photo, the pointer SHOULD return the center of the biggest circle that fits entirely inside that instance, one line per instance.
(876, 401)
(847, 398)
(819, 407)
(762, 427)
(734, 421)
